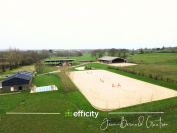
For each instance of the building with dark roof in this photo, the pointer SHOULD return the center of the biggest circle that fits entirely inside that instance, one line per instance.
(109, 60)
(58, 61)
(18, 81)
(84, 61)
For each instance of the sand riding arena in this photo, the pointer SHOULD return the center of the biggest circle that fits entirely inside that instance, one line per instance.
(108, 91)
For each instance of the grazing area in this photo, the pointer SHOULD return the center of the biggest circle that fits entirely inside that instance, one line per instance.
(26, 68)
(172, 69)
(152, 58)
(60, 102)
(109, 91)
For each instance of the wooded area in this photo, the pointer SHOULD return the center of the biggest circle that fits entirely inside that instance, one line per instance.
(13, 58)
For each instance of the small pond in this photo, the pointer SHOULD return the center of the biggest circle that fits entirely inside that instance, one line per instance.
(80, 68)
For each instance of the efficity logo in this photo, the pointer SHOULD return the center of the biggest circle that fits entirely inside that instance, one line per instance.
(81, 113)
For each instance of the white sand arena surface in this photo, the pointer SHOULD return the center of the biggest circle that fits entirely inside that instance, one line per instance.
(122, 64)
(103, 96)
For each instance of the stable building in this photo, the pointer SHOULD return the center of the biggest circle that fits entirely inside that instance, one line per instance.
(60, 62)
(84, 61)
(109, 60)
(17, 82)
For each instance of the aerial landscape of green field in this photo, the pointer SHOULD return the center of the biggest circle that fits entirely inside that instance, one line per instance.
(59, 101)
(94, 66)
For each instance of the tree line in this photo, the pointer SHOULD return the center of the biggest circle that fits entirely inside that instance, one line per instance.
(98, 53)
(13, 58)
(67, 53)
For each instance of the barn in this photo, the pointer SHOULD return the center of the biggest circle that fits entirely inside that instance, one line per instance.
(85, 61)
(109, 60)
(58, 62)
(18, 81)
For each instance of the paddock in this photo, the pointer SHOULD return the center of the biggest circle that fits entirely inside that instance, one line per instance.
(100, 88)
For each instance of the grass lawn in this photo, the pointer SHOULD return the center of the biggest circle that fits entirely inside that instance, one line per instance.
(21, 68)
(60, 102)
(158, 67)
(26, 68)
(2, 79)
(48, 69)
(152, 57)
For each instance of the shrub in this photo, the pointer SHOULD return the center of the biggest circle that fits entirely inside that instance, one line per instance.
(167, 79)
(131, 71)
(155, 77)
(139, 73)
(161, 78)
(150, 75)
(108, 67)
(172, 80)
(143, 74)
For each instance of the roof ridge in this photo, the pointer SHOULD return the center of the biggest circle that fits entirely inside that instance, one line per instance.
(16, 74)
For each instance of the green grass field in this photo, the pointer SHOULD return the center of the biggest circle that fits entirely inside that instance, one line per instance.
(152, 57)
(60, 102)
(160, 64)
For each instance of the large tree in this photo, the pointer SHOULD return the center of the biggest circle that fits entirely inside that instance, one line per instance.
(39, 67)
(94, 54)
(124, 51)
(64, 77)
(100, 52)
(112, 52)
(119, 52)
(133, 52)
(141, 51)
(45, 54)
(3, 59)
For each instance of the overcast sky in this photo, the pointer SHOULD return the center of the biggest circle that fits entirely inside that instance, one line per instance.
(73, 24)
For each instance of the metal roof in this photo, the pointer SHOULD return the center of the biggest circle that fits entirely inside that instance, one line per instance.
(85, 60)
(109, 58)
(60, 60)
(22, 75)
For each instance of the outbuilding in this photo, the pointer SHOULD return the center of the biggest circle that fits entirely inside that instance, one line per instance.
(109, 60)
(18, 81)
(85, 61)
(60, 62)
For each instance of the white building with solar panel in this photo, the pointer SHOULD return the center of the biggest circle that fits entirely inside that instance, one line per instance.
(17, 82)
